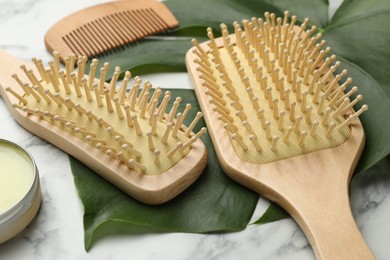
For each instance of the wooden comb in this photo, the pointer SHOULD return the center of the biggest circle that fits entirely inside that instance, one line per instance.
(283, 126)
(125, 137)
(101, 28)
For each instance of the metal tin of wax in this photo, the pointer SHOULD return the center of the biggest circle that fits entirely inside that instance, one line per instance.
(20, 193)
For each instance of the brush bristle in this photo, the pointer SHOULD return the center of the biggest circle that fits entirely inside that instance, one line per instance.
(133, 128)
(272, 85)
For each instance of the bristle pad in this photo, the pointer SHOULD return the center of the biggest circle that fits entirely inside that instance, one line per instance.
(273, 91)
(118, 126)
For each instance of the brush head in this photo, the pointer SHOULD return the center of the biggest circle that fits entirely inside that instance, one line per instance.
(272, 87)
(282, 125)
(105, 27)
(130, 138)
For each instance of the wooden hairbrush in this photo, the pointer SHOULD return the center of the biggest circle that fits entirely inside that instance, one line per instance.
(104, 27)
(127, 138)
(283, 126)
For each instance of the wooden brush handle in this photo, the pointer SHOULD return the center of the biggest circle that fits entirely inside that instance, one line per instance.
(330, 227)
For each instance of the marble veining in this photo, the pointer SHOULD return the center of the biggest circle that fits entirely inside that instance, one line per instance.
(57, 232)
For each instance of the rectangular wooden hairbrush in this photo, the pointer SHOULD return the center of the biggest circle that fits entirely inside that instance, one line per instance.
(104, 27)
(282, 124)
(126, 137)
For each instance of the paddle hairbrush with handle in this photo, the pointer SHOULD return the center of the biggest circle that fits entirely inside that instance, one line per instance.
(282, 124)
(126, 137)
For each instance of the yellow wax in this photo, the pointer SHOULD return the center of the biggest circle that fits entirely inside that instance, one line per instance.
(16, 175)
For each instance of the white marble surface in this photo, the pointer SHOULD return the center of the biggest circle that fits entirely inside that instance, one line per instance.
(57, 232)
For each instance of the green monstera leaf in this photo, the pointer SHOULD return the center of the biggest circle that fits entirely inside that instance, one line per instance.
(357, 33)
(206, 206)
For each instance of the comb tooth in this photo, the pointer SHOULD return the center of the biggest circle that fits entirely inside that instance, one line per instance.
(53, 74)
(94, 42)
(96, 27)
(108, 28)
(198, 116)
(86, 89)
(132, 33)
